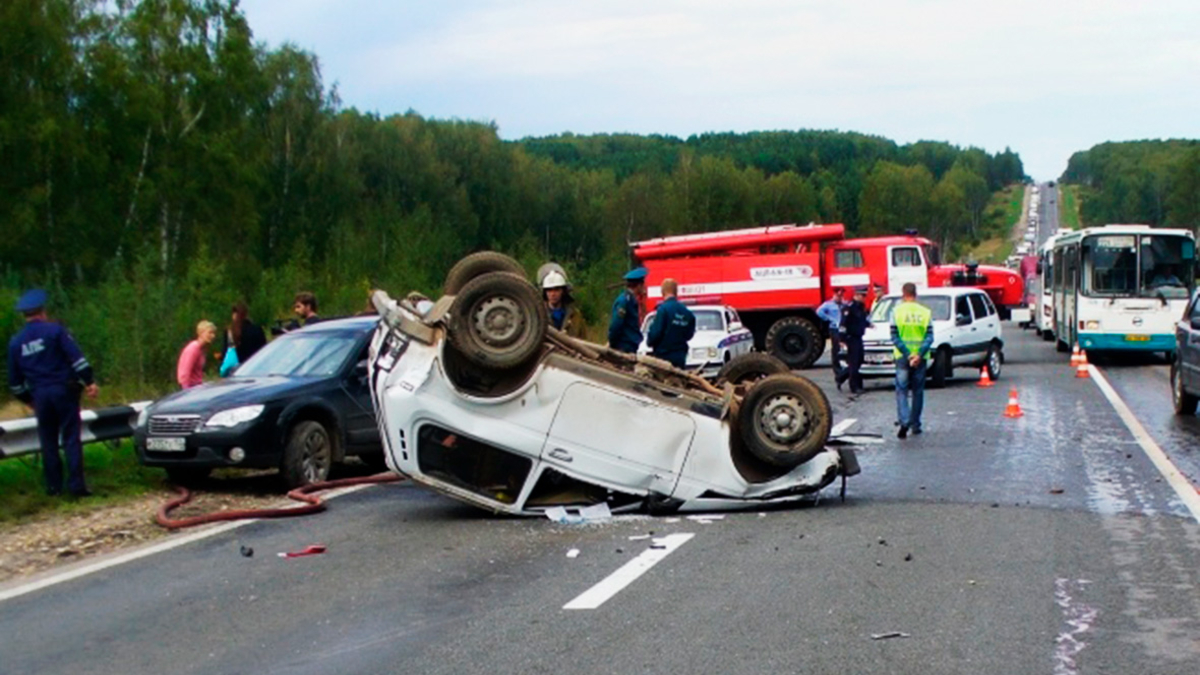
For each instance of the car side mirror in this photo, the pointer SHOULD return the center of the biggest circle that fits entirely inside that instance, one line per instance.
(736, 325)
(962, 320)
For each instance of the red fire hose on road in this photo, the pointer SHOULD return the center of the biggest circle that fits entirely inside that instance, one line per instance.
(313, 504)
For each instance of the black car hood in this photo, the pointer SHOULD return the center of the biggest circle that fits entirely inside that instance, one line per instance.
(236, 391)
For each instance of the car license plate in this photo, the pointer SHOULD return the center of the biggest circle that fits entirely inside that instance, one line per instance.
(1137, 338)
(880, 359)
(166, 444)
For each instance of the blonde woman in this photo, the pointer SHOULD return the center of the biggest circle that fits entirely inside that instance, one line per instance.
(190, 371)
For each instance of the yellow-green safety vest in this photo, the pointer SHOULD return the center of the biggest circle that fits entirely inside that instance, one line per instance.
(912, 320)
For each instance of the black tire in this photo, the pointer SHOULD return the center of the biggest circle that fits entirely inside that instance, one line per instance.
(1185, 403)
(941, 370)
(1061, 347)
(187, 475)
(994, 362)
(498, 321)
(749, 367)
(478, 264)
(1047, 335)
(796, 341)
(375, 461)
(785, 420)
(308, 455)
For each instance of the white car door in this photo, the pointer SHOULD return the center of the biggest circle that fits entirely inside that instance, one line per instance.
(618, 440)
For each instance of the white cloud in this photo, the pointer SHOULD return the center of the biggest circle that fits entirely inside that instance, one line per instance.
(1028, 74)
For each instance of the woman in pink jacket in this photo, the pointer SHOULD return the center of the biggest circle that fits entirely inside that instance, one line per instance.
(190, 371)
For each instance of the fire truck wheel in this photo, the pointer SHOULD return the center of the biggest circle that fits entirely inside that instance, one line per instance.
(478, 264)
(749, 367)
(785, 420)
(795, 341)
(498, 320)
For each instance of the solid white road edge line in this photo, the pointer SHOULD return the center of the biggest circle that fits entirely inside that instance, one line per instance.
(629, 572)
(1178, 482)
(150, 550)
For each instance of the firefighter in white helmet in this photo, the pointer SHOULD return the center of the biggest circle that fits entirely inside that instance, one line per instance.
(564, 315)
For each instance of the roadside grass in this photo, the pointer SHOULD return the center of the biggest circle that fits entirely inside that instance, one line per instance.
(1001, 215)
(1068, 207)
(112, 471)
(993, 251)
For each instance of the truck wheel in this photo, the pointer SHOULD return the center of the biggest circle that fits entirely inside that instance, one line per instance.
(1185, 403)
(1047, 335)
(795, 341)
(750, 367)
(308, 455)
(498, 320)
(941, 369)
(478, 264)
(785, 420)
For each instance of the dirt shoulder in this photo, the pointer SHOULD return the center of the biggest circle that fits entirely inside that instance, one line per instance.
(43, 543)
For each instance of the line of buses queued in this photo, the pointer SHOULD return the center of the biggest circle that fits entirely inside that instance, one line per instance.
(1113, 288)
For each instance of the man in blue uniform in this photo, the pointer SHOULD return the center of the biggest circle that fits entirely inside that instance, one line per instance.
(672, 328)
(624, 328)
(45, 370)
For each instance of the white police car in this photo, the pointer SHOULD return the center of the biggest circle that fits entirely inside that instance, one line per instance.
(720, 336)
(966, 333)
(478, 399)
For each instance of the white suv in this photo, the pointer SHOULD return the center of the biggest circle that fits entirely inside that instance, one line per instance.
(966, 332)
(720, 336)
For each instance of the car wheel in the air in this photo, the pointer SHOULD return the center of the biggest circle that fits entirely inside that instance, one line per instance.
(308, 455)
(750, 367)
(785, 420)
(498, 320)
(478, 264)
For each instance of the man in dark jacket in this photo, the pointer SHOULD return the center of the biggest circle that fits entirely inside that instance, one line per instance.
(854, 325)
(672, 328)
(624, 327)
(47, 370)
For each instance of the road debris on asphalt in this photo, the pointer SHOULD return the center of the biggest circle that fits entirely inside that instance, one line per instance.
(596, 513)
(573, 553)
(888, 636)
(706, 518)
(311, 549)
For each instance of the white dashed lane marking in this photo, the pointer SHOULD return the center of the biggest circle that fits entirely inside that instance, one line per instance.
(629, 572)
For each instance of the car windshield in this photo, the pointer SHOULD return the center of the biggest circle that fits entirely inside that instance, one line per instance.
(301, 355)
(708, 320)
(939, 305)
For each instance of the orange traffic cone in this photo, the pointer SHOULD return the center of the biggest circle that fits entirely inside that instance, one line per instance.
(984, 380)
(1081, 370)
(1014, 408)
(1075, 355)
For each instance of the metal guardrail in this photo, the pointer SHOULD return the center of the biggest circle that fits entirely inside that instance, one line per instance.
(20, 437)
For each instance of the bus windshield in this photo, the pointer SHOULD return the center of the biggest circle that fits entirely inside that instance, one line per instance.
(1137, 265)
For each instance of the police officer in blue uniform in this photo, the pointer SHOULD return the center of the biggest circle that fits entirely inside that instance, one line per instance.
(624, 328)
(46, 370)
(672, 328)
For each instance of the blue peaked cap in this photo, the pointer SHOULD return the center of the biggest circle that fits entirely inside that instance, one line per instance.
(636, 274)
(31, 300)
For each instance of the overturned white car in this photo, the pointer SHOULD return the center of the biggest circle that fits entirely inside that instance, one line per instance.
(478, 399)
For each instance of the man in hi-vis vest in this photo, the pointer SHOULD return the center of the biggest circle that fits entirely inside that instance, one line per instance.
(912, 336)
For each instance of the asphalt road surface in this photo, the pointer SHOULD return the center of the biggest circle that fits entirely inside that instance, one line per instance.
(1049, 544)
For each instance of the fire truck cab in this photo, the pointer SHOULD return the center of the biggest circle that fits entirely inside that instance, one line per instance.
(777, 276)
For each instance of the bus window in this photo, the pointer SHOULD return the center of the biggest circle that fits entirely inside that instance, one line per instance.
(1110, 266)
(1165, 264)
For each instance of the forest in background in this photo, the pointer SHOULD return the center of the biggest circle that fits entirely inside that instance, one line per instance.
(1151, 182)
(160, 163)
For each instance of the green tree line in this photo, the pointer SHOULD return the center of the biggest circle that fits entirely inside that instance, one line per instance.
(1151, 182)
(160, 164)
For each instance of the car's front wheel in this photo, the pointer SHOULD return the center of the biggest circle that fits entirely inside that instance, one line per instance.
(308, 455)
(994, 362)
(785, 420)
(498, 320)
(1185, 403)
(941, 368)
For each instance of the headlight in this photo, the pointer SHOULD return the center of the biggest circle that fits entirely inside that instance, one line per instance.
(233, 416)
(143, 417)
(704, 353)
(1093, 325)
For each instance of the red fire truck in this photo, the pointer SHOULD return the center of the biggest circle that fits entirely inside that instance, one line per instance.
(777, 276)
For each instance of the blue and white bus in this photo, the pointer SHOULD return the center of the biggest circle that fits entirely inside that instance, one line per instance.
(1121, 287)
(1043, 309)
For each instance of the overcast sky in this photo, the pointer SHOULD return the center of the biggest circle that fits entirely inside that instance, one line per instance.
(1043, 77)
